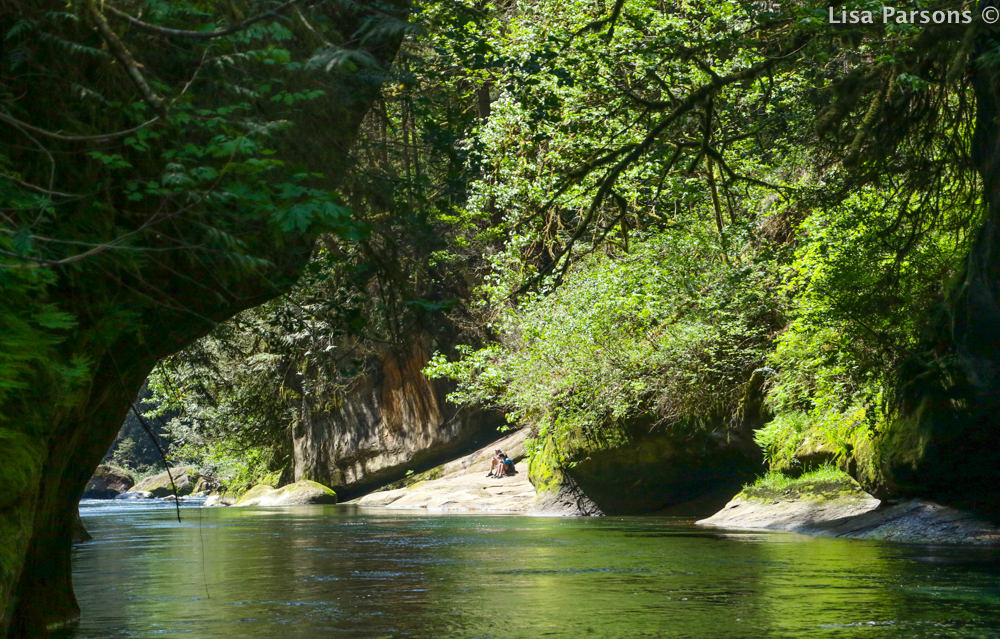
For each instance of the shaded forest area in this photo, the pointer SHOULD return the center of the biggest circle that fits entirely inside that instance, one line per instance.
(622, 225)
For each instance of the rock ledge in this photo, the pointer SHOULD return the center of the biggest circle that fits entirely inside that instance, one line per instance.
(850, 512)
(462, 485)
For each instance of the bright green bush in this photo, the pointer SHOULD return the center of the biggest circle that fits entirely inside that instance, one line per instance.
(666, 332)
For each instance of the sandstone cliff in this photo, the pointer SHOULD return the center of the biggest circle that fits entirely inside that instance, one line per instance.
(392, 420)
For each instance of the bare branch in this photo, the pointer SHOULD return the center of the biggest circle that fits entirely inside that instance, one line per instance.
(124, 57)
(74, 138)
(35, 187)
(204, 35)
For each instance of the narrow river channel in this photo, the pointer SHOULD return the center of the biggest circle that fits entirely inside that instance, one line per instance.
(340, 571)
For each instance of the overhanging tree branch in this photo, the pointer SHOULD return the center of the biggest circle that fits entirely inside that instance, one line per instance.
(202, 35)
(125, 58)
(74, 138)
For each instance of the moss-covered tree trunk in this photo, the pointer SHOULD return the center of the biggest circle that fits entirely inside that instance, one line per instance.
(945, 444)
(132, 311)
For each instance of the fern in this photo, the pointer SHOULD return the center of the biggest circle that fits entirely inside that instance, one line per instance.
(74, 48)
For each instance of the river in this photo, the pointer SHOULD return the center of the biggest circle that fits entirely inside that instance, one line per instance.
(340, 571)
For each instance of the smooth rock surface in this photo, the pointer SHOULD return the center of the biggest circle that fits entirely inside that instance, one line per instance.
(300, 493)
(799, 514)
(568, 501)
(107, 483)
(859, 517)
(462, 485)
(187, 481)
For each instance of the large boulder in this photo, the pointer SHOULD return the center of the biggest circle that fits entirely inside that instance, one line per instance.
(187, 480)
(107, 483)
(303, 492)
(831, 503)
(637, 468)
(807, 504)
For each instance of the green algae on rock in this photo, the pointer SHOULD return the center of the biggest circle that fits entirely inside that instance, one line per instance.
(302, 492)
(187, 480)
(636, 467)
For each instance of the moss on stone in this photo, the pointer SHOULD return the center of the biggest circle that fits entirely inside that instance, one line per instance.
(905, 441)
(825, 483)
(21, 460)
(160, 485)
(314, 492)
(545, 466)
(20, 465)
(641, 466)
(301, 492)
(411, 480)
(253, 493)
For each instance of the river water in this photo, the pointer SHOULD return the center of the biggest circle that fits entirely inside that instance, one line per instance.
(341, 571)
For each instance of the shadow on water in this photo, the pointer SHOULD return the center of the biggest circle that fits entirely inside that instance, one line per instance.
(350, 572)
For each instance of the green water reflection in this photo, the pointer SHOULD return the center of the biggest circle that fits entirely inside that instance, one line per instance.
(340, 571)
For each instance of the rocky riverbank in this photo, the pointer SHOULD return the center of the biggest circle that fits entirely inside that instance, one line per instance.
(842, 509)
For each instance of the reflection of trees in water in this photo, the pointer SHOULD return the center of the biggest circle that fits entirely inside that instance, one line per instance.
(302, 571)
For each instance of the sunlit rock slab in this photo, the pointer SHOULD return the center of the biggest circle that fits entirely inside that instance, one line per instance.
(859, 517)
(462, 485)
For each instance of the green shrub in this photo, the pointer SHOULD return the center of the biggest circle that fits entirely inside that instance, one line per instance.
(667, 332)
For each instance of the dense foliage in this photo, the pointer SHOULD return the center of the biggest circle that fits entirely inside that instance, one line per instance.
(634, 212)
(822, 173)
(204, 163)
(237, 394)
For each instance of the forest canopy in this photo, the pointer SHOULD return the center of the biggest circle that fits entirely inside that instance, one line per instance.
(644, 211)
(598, 212)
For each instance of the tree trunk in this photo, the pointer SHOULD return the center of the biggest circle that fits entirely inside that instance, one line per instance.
(164, 302)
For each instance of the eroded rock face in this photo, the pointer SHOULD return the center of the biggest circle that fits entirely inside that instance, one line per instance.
(395, 419)
(107, 483)
(301, 493)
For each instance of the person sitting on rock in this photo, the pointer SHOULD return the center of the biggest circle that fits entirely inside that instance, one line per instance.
(495, 463)
(506, 466)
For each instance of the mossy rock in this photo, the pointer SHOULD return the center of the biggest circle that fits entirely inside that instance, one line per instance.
(824, 485)
(814, 451)
(638, 467)
(20, 464)
(303, 492)
(256, 492)
(21, 461)
(185, 478)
